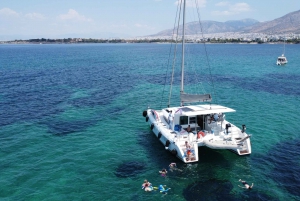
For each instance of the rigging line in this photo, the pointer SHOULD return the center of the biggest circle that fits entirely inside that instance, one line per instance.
(175, 50)
(201, 28)
(198, 86)
(195, 77)
(169, 59)
(202, 89)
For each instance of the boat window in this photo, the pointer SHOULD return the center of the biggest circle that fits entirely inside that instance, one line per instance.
(192, 120)
(184, 120)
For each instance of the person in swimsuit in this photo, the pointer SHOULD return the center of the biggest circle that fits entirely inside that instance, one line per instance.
(246, 185)
(163, 172)
(147, 186)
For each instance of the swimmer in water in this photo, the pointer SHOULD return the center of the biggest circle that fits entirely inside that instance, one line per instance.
(246, 185)
(162, 189)
(147, 186)
(163, 172)
(173, 166)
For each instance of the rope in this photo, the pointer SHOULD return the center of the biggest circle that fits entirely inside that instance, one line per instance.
(201, 28)
(174, 59)
(178, 8)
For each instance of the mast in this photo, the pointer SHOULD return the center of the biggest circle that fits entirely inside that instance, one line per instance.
(189, 98)
(183, 40)
(283, 46)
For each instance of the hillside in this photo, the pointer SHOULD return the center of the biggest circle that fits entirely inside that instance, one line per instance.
(289, 23)
(192, 28)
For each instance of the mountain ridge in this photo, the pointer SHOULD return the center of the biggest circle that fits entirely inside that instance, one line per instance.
(289, 23)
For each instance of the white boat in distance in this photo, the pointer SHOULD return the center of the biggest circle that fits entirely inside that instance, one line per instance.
(207, 122)
(281, 60)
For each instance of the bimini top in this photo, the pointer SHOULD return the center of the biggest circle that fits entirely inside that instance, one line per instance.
(193, 98)
(192, 110)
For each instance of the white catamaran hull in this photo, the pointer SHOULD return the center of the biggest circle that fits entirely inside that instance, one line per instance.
(172, 140)
(215, 135)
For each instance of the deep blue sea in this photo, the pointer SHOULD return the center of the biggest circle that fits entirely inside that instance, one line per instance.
(71, 124)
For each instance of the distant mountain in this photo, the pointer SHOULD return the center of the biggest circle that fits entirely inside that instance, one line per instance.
(289, 23)
(192, 28)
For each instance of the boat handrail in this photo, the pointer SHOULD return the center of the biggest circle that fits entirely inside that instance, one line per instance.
(156, 115)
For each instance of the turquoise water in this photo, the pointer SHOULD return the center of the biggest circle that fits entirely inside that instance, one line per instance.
(72, 126)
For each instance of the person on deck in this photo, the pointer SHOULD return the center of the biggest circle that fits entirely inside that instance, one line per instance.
(171, 119)
(187, 145)
(216, 117)
(188, 129)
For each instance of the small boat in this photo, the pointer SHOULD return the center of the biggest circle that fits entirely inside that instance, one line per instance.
(281, 60)
(206, 121)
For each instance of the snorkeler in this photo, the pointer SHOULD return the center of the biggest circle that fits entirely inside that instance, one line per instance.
(246, 185)
(162, 189)
(173, 166)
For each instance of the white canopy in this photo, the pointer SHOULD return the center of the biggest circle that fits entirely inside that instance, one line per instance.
(192, 98)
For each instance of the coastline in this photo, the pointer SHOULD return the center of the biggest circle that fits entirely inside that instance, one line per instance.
(140, 41)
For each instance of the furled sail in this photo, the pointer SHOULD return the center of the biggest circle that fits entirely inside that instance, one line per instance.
(192, 98)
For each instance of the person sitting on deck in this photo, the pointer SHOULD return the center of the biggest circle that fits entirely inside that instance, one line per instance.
(188, 129)
(187, 145)
(189, 155)
(216, 117)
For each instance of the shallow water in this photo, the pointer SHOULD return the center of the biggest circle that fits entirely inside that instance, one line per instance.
(72, 126)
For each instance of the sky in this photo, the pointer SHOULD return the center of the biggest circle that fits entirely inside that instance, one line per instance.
(27, 19)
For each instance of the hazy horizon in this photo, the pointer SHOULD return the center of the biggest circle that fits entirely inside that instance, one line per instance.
(123, 19)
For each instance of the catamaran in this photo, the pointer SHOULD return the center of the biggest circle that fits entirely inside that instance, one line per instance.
(195, 122)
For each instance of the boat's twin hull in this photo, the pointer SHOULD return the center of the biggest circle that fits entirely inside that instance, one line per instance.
(174, 141)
